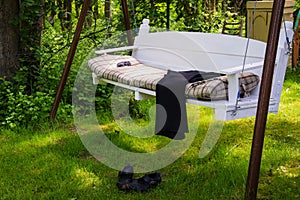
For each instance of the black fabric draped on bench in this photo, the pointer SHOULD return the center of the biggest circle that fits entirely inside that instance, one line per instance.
(171, 117)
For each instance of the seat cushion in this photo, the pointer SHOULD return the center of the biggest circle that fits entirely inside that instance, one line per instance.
(217, 88)
(138, 74)
(143, 76)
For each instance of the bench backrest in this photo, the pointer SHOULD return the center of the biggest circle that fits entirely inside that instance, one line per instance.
(195, 50)
(209, 52)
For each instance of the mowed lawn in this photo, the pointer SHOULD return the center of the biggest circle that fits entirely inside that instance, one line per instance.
(51, 162)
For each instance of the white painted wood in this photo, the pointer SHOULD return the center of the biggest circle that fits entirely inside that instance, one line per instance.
(248, 67)
(135, 89)
(144, 28)
(141, 96)
(105, 51)
(210, 53)
(280, 69)
(233, 88)
(95, 79)
(200, 51)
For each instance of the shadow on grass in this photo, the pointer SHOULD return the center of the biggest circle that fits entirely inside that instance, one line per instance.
(54, 164)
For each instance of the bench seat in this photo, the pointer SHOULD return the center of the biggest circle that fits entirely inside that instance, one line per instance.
(146, 77)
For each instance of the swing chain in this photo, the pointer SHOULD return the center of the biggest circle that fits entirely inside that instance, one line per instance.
(287, 39)
(234, 112)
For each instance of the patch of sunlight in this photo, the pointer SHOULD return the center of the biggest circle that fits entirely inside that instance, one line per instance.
(87, 179)
(239, 150)
(42, 140)
(87, 128)
(288, 171)
(107, 127)
(199, 114)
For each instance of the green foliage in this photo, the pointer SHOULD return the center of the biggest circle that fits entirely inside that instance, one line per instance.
(20, 109)
(27, 99)
(140, 109)
(297, 4)
(203, 16)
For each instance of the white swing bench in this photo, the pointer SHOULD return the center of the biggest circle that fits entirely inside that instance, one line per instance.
(155, 53)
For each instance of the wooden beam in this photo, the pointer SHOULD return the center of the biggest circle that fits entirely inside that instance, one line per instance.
(70, 58)
(263, 102)
(127, 22)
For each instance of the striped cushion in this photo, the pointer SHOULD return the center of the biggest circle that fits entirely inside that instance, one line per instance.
(137, 74)
(217, 88)
(140, 75)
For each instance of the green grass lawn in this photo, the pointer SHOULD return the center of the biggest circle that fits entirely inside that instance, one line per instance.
(52, 163)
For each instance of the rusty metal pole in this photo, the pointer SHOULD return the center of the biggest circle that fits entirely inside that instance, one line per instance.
(70, 58)
(263, 102)
(127, 21)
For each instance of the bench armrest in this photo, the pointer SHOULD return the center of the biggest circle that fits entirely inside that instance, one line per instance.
(115, 50)
(238, 69)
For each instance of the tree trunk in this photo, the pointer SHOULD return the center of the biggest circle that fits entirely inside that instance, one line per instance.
(107, 10)
(61, 14)
(9, 38)
(68, 15)
(65, 14)
(96, 9)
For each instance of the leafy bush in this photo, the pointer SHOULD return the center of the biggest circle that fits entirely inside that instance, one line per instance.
(19, 108)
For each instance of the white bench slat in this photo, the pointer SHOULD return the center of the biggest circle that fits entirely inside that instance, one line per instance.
(99, 52)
